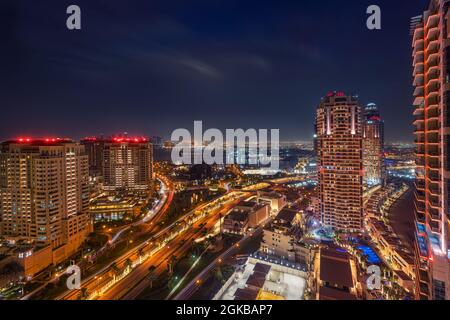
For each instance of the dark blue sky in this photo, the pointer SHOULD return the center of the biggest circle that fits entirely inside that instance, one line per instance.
(149, 67)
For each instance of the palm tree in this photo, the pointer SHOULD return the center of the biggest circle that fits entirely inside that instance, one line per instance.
(84, 294)
(171, 264)
(128, 263)
(217, 274)
(115, 269)
(151, 275)
(140, 254)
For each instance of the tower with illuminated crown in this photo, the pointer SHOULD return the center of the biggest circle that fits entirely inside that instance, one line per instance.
(340, 166)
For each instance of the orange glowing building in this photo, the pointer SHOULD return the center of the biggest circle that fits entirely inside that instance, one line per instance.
(431, 73)
(340, 165)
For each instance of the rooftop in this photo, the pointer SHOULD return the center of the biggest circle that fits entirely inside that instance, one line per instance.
(326, 293)
(39, 141)
(262, 268)
(246, 294)
(237, 215)
(335, 268)
(287, 215)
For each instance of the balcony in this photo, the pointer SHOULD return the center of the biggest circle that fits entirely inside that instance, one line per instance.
(433, 60)
(418, 101)
(418, 111)
(433, 113)
(432, 75)
(435, 204)
(433, 46)
(434, 164)
(433, 87)
(433, 126)
(418, 91)
(418, 46)
(433, 34)
(433, 153)
(433, 99)
(419, 151)
(419, 129)
(435, 225)
(419, 58)
(434, 191)
(418, 80)
(418, 35)
(432, 23)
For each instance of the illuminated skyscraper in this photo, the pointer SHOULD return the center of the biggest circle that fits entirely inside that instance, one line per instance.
(431, 63)
(373, 146)
(127, 163)
(340, 167)
(44, 193)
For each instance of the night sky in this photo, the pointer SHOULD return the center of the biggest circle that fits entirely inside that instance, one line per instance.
(151, 66)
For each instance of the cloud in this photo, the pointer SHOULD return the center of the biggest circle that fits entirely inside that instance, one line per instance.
(201, 67)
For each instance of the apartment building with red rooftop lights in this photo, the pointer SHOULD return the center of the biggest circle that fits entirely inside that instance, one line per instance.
(123, 162)
(44, 194)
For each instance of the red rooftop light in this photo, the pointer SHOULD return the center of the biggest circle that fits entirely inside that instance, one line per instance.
(129, 139)
(47, 140)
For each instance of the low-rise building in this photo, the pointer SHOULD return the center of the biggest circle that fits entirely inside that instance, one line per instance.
(246, 215)
(282, 238)
(335, 275)
(116, 207)
(23, 262)
(264, 280)
(281, 234)
(275, 200)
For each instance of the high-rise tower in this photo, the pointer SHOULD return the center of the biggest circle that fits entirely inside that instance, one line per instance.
(340, 167)
(44, 193)
(431, 63)
(127, 163)
(373, 146)
(94, 149)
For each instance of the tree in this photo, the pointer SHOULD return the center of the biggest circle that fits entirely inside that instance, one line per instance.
(171, 264)
(128, 263)
(140, 254)
(217, 274)
(151, 275)
(84, 294)
(115, 269)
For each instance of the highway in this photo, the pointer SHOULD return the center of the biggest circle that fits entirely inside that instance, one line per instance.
(154, 214)
(191, 287)
(106, 284)
(103, 275)
(135, 283)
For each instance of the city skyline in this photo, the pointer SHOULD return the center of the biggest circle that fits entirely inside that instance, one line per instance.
(155, 68)
(225, 151)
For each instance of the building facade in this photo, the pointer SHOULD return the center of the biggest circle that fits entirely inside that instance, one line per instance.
(44, 194)
(94, 149)
(373, 146)
(127, 164)
(340, 166)
(247, 215)
(431, 74)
